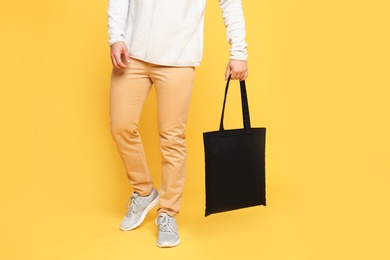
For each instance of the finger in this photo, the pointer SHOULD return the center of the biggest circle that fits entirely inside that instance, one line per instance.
(119, 62)
(235, 75)
(127, 55)
(232, 74)
(245, 75)
(113, 59)
(241, 76)
(113, 62)
(227, 72)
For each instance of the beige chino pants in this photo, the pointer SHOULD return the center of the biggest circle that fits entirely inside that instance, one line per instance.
(129, 89)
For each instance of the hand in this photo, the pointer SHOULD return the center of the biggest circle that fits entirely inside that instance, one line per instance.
(119, 53)
(238, 70)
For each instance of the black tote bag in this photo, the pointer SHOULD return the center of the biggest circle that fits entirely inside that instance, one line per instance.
(235, 163)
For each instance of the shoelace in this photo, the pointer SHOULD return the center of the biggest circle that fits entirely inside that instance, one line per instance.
(132, 204)
(165, 224)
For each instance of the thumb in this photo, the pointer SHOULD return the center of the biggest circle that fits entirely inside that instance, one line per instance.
(227, 72)
(126, 54)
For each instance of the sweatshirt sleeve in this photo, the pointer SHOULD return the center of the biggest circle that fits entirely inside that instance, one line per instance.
(117, 18)
(233, 17)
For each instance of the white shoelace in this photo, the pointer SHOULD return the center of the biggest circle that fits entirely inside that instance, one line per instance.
(132, 204)
(164, 223)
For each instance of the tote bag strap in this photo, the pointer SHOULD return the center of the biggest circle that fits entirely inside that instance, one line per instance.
(244, 105)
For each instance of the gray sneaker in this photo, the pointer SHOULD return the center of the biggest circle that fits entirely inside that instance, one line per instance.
(168, 234)
(138, 208)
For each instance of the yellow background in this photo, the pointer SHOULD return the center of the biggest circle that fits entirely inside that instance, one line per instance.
(319, 81)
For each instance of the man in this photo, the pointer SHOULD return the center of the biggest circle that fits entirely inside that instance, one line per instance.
(159, 42)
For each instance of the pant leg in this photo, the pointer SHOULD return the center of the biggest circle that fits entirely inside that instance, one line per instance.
(128, 92)
(173, 90)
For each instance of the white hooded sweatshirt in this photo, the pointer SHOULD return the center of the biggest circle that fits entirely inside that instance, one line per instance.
(170, 32)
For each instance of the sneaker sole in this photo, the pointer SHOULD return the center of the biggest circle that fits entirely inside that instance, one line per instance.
(165, 245)
(148, 208)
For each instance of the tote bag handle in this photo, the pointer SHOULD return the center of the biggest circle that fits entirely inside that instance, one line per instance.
(244, 105)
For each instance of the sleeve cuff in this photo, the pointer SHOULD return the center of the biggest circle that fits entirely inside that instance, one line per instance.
(115, 40)
(239, 57)
(239, 53)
